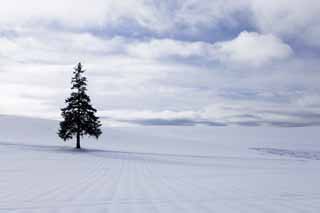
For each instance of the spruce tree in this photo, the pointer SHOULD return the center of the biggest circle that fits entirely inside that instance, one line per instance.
(79, 117)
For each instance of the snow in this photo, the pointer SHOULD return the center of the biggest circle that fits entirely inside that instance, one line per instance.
(159, 169)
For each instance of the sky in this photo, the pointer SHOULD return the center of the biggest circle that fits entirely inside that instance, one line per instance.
(165, 62)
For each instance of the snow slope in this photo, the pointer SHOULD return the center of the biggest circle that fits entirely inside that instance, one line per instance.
(159, 169)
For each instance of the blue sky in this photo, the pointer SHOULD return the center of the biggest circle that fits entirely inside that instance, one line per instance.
(191, 62)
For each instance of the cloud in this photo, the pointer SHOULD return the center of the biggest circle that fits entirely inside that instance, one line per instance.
(193, 62)
(242, 113)
(172, 122)
(291, 19)
(202, 14)
(57, 47)
(87, 14)
(167, 48)
(248, 48)
(290, 122)
(189, 19)
(252, 48)
(158, 16)
(124, 75)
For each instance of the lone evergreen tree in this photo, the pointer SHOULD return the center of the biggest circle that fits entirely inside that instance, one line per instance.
(79, 117)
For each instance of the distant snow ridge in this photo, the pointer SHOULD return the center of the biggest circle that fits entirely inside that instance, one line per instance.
(312, 155)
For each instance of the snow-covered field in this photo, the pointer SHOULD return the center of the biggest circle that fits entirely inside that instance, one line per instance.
(159, 169)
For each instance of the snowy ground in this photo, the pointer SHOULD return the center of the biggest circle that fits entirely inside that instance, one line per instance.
(159, 169)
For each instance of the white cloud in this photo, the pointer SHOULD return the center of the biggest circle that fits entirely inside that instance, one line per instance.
(202, 13)
(165, 48)
(249, 48)
(79, 14)
(70, 13)
(289, 18)
(252, 48)
(160, 75)
(284, 18)
(147, 114)
(54, 47)
(222, 112)
(159, 16)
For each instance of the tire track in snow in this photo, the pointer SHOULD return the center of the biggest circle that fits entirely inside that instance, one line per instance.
(148, 202)
(64, 191)
(50, 195)
(114, 195)
(177, 200)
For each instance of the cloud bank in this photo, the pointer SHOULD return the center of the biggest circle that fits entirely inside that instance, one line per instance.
(193, 62)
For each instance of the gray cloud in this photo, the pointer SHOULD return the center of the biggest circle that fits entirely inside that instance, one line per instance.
(189, 122)
(173, 122)
(274, 118)
(165, 62)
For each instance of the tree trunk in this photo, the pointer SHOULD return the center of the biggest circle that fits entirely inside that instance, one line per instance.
(78, 140)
